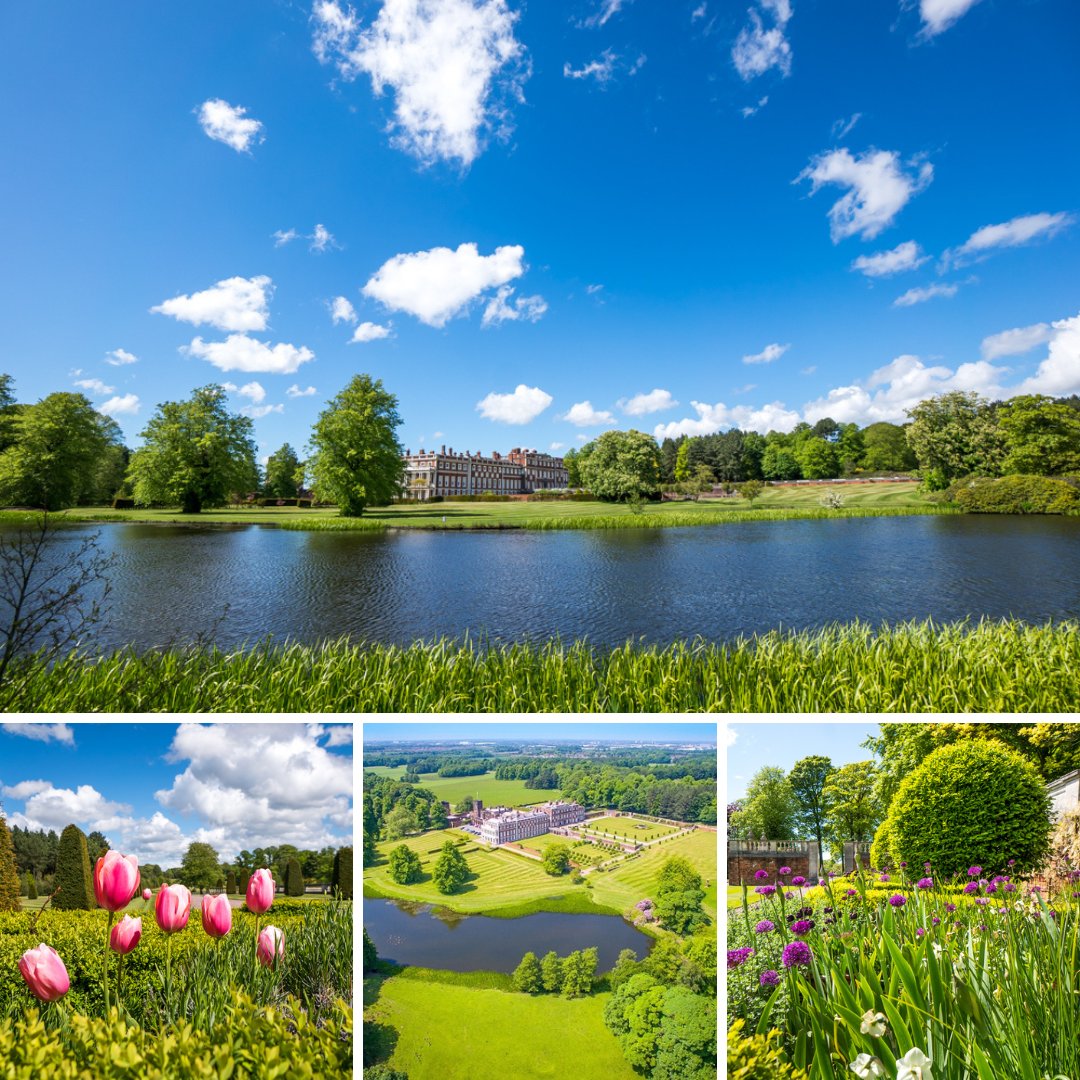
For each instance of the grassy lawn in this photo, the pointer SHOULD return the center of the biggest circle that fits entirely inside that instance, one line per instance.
(453, 789)
(630, 828)
(894, 497)
(462, 1033)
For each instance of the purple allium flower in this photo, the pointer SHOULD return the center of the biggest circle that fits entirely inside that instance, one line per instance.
(853, 916)
(1009, 886)
(803, 926)
(764, 927)
(821, 881)
(991, 888)
(903, 865)
(1036, 888)
(829, 920)
(765, 890)
(883, 877)
(997, 879)
(971, 887)
(784, 871)
(798, 880)
(851, 892)
(924, 883)
(936, 921)
(769, 978)
(920, 932)
(981, 901)
(983, 928)
(735, 957)
(926, 865)
(950, 908)
(1011, 862)
(761, 875)
(974, 871)
(789, 896)
(796, 953)
(897, 900)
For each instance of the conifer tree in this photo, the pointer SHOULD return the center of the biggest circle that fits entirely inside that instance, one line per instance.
(294, 880)
(230, 881)
(341, 881)
(9, 874)
(73, 872)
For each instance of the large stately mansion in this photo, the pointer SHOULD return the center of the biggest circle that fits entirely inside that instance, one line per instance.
(442, 472)
(504, 826)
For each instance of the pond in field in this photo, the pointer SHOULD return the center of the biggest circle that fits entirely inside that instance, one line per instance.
(236, 585)
(423, 936)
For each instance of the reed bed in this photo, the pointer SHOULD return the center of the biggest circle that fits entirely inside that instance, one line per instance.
(988, 666)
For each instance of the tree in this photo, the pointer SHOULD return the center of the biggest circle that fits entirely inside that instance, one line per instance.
(578, 970)
(450, 869)
(769, 809)
(852, 809)
(281, 470)
(31, 886)
(195, 454)
(404, 865)
(686, 1048)
(96, 846)
(678, 897)
(750, 490)
(808, 778)
(200, 866)
(818, 459)
(557, 859)
(73, 872)
(551, 972)
(371, 957)
(230, 881)
(56, 445)
(850, 449)
(357, 459)
(625, 968)
(955, 434)
(9, 410)
(527, 976)
(778, 461)
(887, 449)
(1042, 436)
(9, 875)
(573, 472)
(400, 822)
(621, 465)
(341, 881)
(294, 879)
(682, 462)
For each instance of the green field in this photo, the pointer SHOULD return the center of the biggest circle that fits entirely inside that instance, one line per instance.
(453, 789)
(460, 1033)
(631, 829)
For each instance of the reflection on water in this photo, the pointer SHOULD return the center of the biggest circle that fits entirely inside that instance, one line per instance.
(172, 585)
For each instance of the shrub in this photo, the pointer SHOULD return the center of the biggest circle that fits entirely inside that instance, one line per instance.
(971, 802)
(9, 874)
(294, 880)
(341, 881)
(758, 1057)
(230, 881)
(1015, 495)
(73, 872)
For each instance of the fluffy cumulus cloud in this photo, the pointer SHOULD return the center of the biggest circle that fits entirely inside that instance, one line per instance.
(54, 807)
(236, 303)
(1059, 374)
(229, 124)
(257, 412)
(903, 257)
(121, 405)
(120, 357)
(710, 418)
(295, 391)
(762, 44)
(1014, 233)
(341, 311)
(604, 68)
(369, 331)
(920, 295)
(285, 236)
(525, 404)
(439, 284)
(939, 15)
(253, 390)
(238, 352)
(879, 186)
(643, 404)
(94, 386)
(1016, 342)
(41, 733)
(767, 355)
(322, 239)
(500, 308)
(584, 415)
(454, 67)
(605, 9)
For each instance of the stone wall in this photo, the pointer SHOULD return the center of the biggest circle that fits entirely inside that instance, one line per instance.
(741, 868)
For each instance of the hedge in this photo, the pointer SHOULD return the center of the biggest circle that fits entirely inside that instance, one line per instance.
(73, 872)
(758, 1057)
(1015, 495)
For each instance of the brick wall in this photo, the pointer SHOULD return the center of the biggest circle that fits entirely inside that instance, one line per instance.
(741, 868)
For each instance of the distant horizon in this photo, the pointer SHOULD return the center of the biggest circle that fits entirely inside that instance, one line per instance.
(552, 731)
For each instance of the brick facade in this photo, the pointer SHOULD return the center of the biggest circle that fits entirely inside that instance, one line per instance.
(448, 474)
(741, 868)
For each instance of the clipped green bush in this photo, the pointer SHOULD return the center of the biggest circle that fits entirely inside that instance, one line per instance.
(971, 803)
(73, 872)
(230, 881)
(1015, 495)
(758, 1057)
(341, 880)
(10, 887)
(294, 880)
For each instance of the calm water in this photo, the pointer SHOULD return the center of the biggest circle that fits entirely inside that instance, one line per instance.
(173, 583)
(414, 934)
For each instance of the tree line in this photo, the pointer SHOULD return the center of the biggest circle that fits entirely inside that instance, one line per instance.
(195, 454)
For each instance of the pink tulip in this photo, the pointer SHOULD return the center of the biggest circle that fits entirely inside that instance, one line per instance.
(271, 945)
(260, 891)
(44, 973)
(146, 894)
(216, 915)
(125, 935)
(116, 880)
(172, 908)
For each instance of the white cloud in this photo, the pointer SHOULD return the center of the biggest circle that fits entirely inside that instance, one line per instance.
(228, 124)
(238, 352)
(808, 370)
(95, 386)
(25, 788)
(592, 290)
(453, 65)
(842, 127)
(749, 110)
(236, 303)
(699, 12)
(1017, 341)
(903, 257)
(1014, 233)
(294, 391)
(939, 15)
(921, 295)
(257, 412)
(604, 68)
(584, 415)
(341, 311)
(369, 331)
(643, 404)
(41, 733)
(557, 446)
(767, 355)
(56, 807)
(122, 405)
(322, 239)
(879, 188)
(772, 417)
(119, 357)
(529, 308)
(253, 390)
(606, 9)
(525, 404)
(745, 388)
(285, 236)
(759, 48)
(1059, 374)
(439, 284)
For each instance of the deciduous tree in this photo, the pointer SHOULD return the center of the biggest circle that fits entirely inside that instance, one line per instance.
(528, 978)
(551, 972)
(769, 809)
(621, 465)
(557, 859)
(450, 869)
(404, 865)
(281, 470)
(808, 778)
(200, 866)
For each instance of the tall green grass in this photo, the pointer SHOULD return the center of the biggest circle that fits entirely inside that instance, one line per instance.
(912, 667)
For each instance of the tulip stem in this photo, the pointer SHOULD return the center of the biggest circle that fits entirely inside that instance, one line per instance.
(168, 972)
(119, 981)
(256, 968)
(108, 931)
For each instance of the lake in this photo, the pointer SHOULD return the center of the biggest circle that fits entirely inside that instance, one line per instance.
(235, 585)
(419, 935)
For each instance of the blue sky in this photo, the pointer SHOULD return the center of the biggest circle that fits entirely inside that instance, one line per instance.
(154, 788)
(657, 209)
(571, 730)
(752, 746)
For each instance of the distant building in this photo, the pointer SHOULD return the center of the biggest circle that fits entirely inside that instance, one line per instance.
(562, 813)
(444, 473)
(508, 826)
